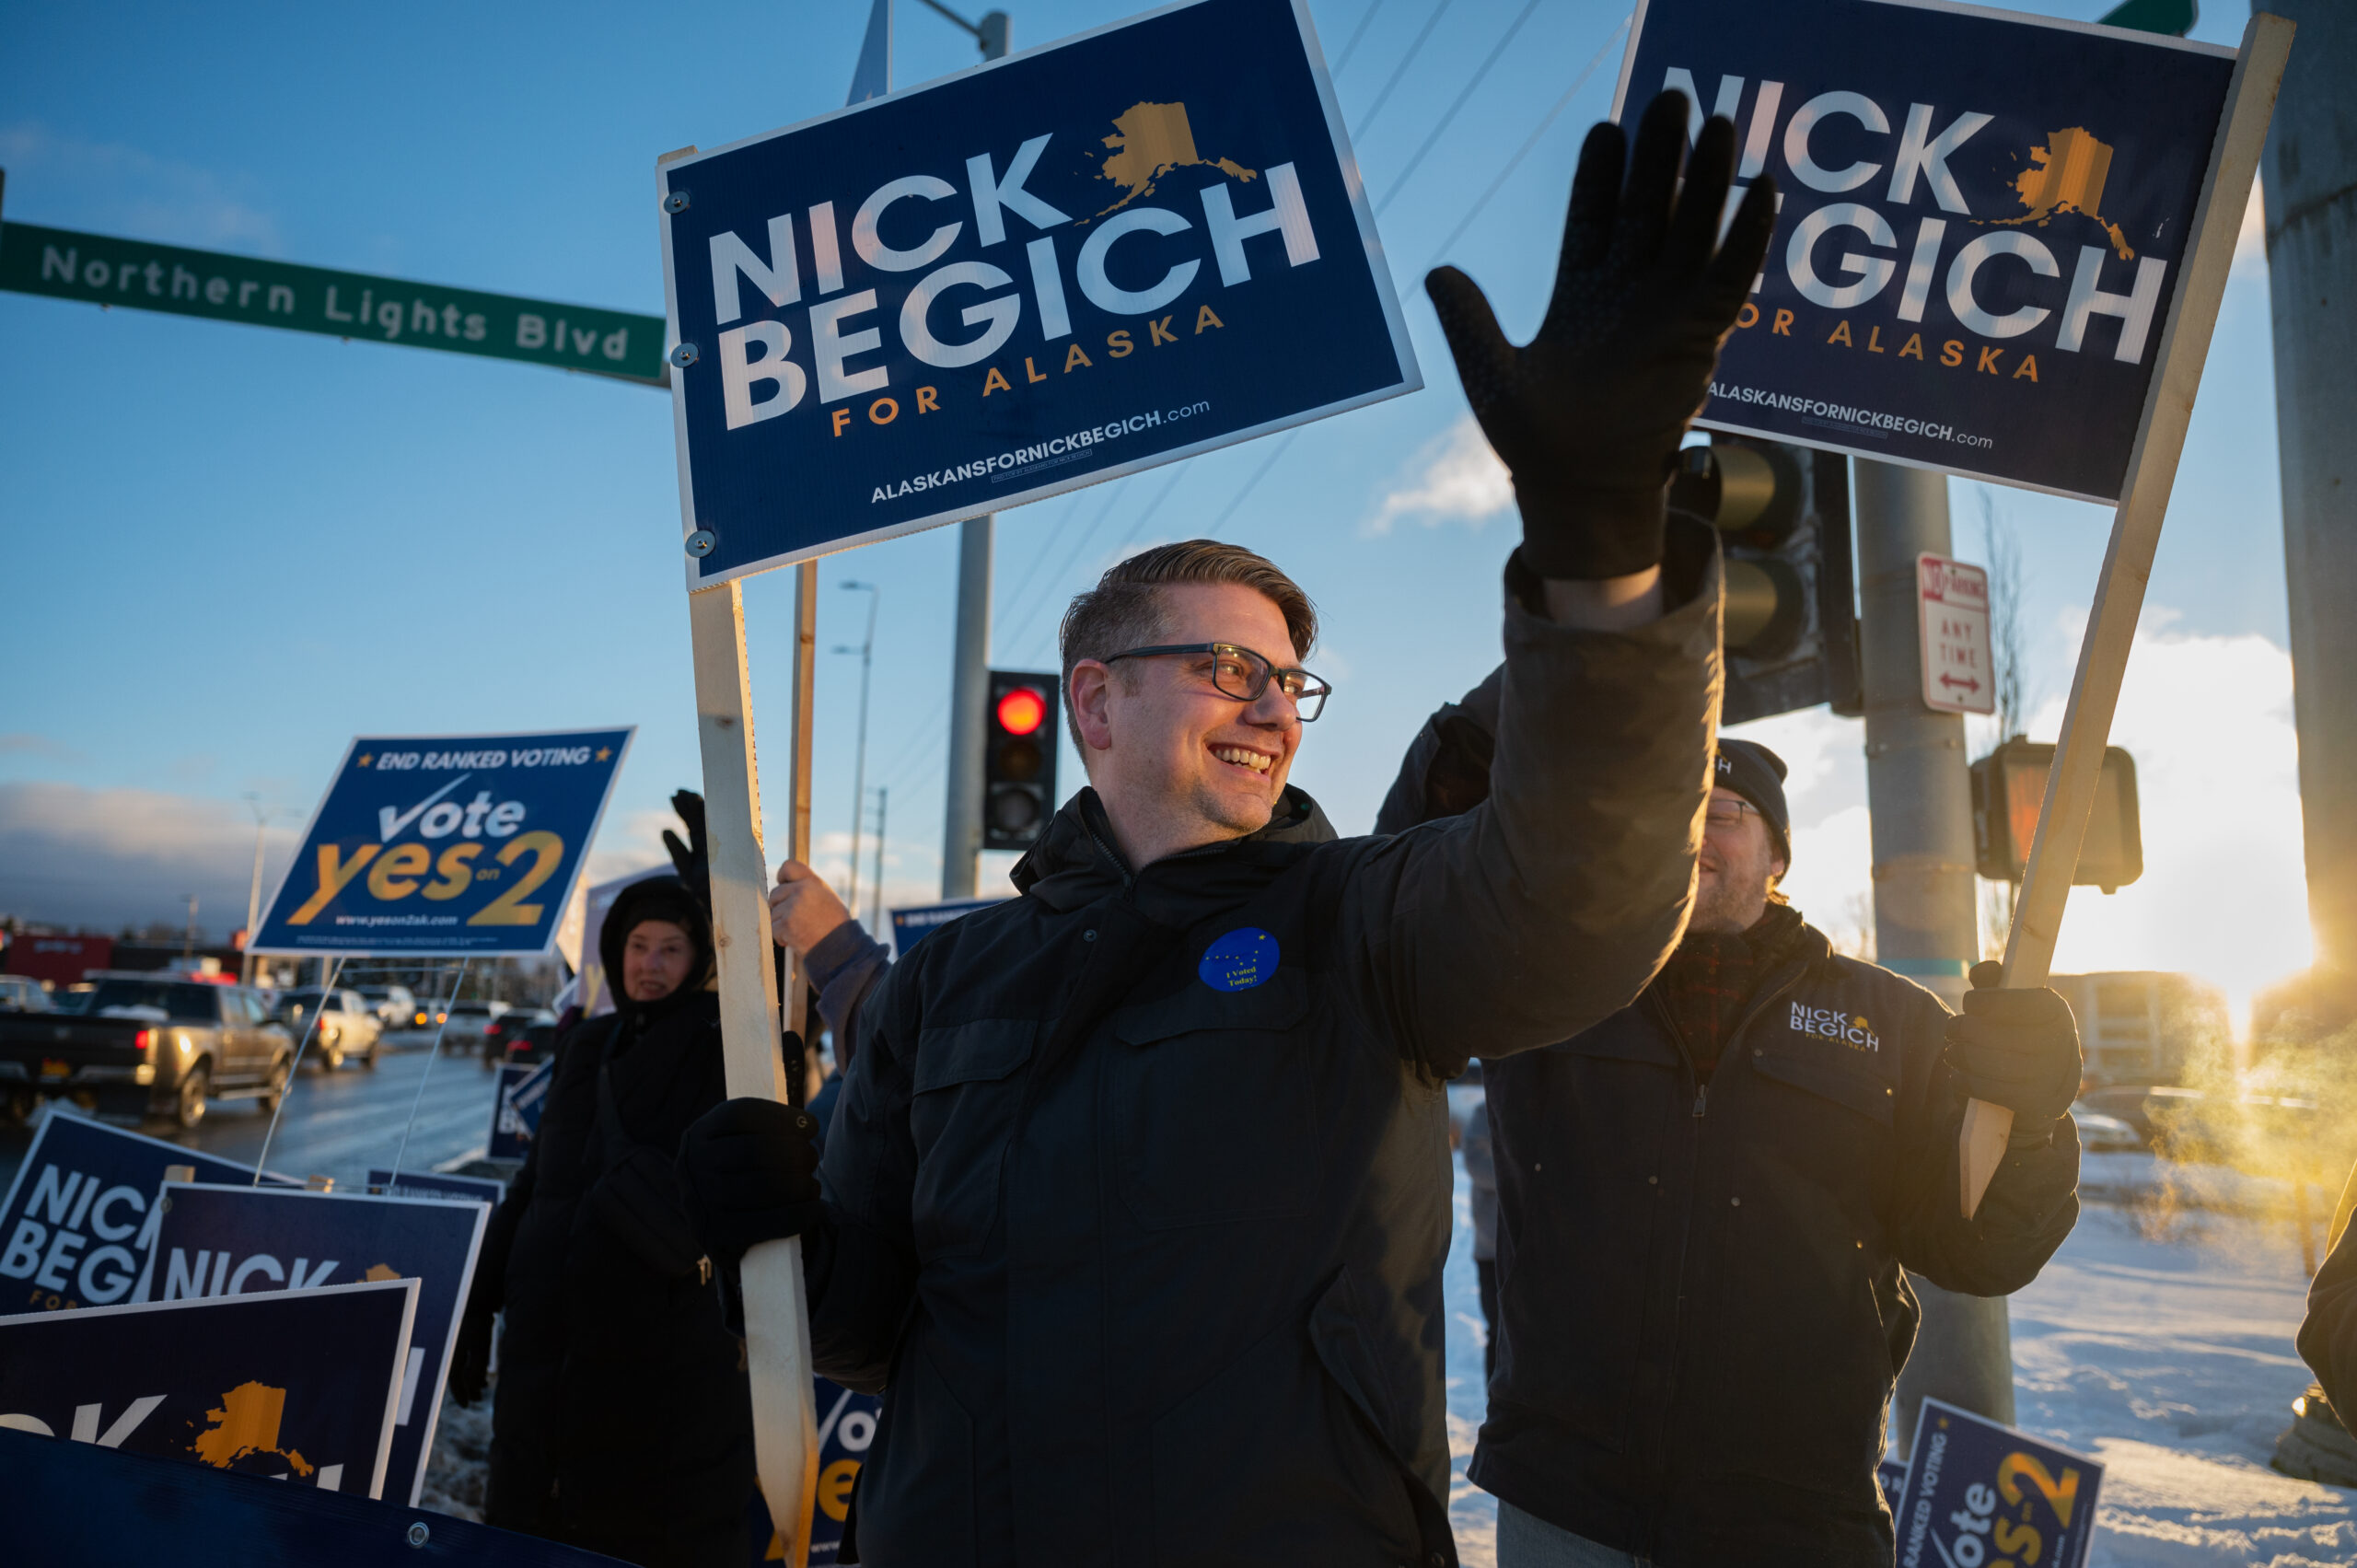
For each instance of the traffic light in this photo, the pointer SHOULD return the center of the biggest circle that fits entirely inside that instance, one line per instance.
(1782, 514)
(2008, 793)
(1018, 758)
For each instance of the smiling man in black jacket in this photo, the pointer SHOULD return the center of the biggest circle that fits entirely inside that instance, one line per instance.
(1136, 1197)
(1709, 1202)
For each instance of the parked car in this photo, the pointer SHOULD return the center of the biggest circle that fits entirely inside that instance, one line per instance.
(395, 1005)
(20, 994)
(468, 1029)
(505, 1037)
(146, 1043)
(347, 1025)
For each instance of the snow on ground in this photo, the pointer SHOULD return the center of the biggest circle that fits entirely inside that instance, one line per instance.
(2161, 1345)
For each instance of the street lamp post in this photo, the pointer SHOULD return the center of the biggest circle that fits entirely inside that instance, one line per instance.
(867, 652)
(876, 921)
(253, 893)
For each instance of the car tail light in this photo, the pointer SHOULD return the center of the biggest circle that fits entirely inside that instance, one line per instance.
(144, 1042)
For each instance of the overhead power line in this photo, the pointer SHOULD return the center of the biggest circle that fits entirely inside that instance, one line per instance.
(1480, 204)
(1366, 122)
(1440, 127)
(1531, 142)
(1352, 47)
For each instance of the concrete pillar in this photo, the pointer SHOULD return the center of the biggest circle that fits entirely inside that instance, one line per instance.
(2309, 173)
(1926, 923)
(970, 670)
(970, 685)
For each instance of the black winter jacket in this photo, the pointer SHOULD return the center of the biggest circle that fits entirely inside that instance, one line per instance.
(2328, 1340)
(1703, 1288)
(1144, 1247)
(623, 1420)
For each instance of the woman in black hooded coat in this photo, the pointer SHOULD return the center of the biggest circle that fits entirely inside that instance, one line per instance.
(623, 1421)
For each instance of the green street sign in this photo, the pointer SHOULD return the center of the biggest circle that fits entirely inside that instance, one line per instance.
(2174, 17)
(98, 269)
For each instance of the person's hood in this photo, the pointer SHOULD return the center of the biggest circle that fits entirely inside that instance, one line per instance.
(658, 898)
(1077, 860)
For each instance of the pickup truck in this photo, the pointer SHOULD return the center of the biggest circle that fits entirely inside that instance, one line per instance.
(347, 1025)
(148, 1044)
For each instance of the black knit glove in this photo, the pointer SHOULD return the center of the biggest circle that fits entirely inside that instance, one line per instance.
(693, 860)
(1588, 415)
(2018, 1049)
(748, 1168)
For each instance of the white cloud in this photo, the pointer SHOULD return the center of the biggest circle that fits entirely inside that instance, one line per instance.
(114, 857)
(2224, 893)
(1455, 478)
(1813, 743)
(139, 194)
(2207, 719)
(22, 743)
(2250, 240)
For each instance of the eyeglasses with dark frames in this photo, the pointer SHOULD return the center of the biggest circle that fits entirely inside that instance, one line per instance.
(1241, 674)
(1727, 815)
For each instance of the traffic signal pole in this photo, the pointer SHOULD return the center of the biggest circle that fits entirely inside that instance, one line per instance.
(1918, 791)
(961, 831)
(969, 675)
(2311, 186)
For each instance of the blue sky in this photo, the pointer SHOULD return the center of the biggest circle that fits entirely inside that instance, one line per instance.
(229, 548)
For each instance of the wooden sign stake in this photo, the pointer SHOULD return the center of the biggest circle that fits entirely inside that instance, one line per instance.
(2135, 536)
(777, 1318)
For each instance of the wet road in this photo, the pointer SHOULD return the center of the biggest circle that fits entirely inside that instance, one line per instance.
(340, 1123)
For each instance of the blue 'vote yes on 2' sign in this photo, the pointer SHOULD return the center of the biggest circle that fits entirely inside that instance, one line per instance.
(1980, 1494)
(446, 846)
(1982, 219)
(1137, 244)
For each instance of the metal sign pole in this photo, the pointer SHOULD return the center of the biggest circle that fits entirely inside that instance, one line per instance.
(441, 1027)
(777, 1325)
(2136, 535)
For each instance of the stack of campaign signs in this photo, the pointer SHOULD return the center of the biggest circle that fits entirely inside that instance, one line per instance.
(77, 1503)
(79, 1222)
(516, 1108)
(250, 1329)
(217, 1243)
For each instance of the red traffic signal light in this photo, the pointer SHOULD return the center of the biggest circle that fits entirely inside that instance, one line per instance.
(1021, 711)
(1018, 758)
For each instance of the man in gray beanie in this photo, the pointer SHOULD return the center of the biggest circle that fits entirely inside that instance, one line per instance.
(1709, 1204)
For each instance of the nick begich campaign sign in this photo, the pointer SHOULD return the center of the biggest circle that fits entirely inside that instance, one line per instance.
(1136, 244)
(79, 1220)
(235, 1241)
(446, 846)
(1981, 220)
(300, 1386)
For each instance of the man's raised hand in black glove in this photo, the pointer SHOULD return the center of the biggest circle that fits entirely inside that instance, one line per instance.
(1588, 416)
(2018, 1049)
(748, 1168)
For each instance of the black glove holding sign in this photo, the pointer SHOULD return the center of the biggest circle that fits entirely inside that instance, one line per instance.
(2018, 1049)
(1588, 416)
(749, 1168)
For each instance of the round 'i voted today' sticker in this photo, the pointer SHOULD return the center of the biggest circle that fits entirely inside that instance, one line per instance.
(1240, 960)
